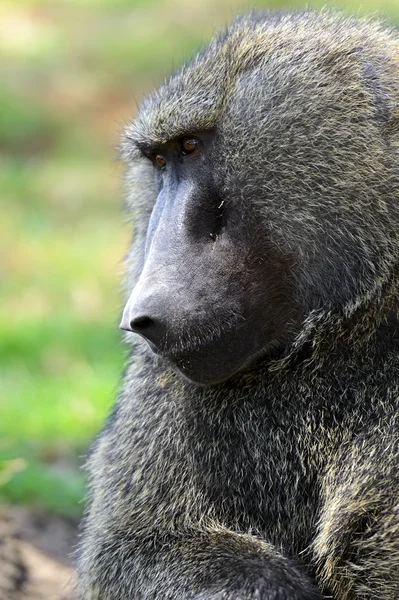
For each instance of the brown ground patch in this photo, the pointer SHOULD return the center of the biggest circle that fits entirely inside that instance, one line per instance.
(35, 555)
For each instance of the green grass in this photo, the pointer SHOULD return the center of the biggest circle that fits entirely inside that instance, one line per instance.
(59, 378)
(60, 350)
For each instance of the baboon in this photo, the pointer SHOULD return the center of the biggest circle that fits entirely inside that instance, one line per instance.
(253, 452)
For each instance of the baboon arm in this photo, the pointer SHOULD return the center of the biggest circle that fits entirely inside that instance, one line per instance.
(357, 548)
(207, 565)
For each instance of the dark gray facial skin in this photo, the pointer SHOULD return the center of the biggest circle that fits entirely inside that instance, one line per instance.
(213, 295)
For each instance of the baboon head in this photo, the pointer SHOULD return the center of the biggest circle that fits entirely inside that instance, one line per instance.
(263, 191)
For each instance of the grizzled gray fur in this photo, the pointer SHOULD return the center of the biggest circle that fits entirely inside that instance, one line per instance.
(253, 451)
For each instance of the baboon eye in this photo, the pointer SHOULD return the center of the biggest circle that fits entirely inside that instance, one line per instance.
(160, 160)
(190, 145)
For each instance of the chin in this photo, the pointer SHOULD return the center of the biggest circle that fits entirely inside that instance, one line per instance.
(213, 371)
(202, 371)
(204, 379)
(210, 366)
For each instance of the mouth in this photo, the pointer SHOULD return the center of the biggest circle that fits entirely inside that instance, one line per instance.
(216, 362)
(212, 351)
(205, 360)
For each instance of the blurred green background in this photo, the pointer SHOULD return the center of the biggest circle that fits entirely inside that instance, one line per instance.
(72, 74)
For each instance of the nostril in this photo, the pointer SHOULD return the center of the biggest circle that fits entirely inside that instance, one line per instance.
(153, 328)
(141, 324)
(150, 329)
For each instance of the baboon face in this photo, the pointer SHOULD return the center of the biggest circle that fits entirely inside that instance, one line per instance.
(213, 294)
(272, 197)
